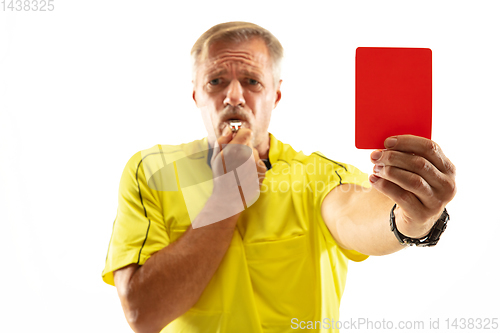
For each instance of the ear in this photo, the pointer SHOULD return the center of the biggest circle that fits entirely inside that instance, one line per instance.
(278, 94)
(194, 94)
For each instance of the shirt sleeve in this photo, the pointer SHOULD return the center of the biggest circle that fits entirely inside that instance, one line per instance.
(139, 229)
(340, 173)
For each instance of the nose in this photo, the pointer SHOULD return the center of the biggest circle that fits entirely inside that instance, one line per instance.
(234, 95)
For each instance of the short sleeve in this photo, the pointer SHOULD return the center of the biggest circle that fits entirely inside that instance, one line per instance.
(139, 229)
(340, 173)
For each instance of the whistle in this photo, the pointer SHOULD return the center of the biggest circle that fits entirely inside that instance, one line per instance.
(235, 125)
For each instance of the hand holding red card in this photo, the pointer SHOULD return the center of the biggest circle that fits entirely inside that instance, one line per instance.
(394, 98)
(393, 94)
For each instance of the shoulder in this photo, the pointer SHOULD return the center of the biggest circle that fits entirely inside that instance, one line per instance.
(283, 152)
(146, 162)
(169, 152)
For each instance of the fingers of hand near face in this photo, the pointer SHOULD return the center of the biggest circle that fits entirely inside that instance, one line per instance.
(235, 151)
(243, 136)
(240, 157)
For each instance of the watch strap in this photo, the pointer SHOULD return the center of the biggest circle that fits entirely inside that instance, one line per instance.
(431, 239)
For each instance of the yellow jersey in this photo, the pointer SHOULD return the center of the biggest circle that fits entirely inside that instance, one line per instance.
(283, 266)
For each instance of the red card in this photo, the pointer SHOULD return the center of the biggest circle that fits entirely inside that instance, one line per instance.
(393, 94)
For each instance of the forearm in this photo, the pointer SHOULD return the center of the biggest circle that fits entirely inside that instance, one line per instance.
(367, 230)
(359, 220)
(172, 280)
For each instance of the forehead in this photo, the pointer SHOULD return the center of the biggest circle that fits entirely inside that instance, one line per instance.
(249, 55)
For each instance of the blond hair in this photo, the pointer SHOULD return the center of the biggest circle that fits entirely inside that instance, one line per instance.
(237, 32)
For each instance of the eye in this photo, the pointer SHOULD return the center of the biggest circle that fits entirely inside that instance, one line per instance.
(214, 82)
(253, 82)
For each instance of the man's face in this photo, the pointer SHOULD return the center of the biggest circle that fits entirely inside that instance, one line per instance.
(236, 81)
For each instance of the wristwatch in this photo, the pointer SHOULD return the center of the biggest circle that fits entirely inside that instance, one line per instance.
(431, 239)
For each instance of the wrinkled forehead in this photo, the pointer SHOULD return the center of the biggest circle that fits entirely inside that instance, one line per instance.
(251, 55)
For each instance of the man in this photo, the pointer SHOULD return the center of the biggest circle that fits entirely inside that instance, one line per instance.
(200, 246)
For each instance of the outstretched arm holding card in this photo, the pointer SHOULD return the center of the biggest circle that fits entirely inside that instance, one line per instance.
(413, 173)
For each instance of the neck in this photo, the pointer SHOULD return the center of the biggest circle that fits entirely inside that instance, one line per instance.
(263, 147)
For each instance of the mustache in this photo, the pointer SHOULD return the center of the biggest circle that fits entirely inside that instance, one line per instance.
(233, 112)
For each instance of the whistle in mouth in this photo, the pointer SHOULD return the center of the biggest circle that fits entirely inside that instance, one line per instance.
(235, 125)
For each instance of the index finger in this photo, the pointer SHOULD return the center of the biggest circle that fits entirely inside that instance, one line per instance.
(424, 147)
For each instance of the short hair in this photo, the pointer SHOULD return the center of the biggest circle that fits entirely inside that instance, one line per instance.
(237, 32)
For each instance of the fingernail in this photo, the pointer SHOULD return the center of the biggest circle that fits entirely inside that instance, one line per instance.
(226, 131)
(377, 168)
(390, 142)
(374, 179)
(376, 155)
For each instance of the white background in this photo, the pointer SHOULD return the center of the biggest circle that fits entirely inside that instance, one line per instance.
(86, 86)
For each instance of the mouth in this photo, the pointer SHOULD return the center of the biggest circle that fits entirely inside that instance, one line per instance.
(234, 117)
(235, 124)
